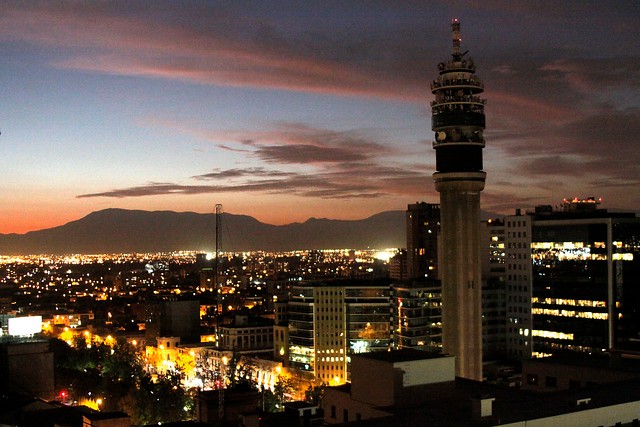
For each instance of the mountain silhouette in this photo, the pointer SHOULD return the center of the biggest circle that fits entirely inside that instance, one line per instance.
(127, 231)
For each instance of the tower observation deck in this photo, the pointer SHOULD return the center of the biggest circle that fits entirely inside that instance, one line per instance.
(458, 122)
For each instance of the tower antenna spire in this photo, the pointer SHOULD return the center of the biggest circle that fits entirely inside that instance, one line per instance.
(455, 35)
(457, 39)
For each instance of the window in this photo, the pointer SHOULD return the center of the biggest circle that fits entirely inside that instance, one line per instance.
(532, 379)
(345, 415)
(333, 411)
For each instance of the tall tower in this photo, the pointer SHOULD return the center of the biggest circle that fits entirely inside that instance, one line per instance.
(458, 121)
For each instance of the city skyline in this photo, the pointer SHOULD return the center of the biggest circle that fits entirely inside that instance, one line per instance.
(284, 111)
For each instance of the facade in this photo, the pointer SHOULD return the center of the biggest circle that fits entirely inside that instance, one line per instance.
(569, 276)
(381, 381)
(423, 226)
(26, 365)
(585, 272)
(518, 279)
(177, 318)
(246, 336)
(551, 374)
(398, 269)
(417, 315)
(71, 320)
(493, 290)
(329, 321)
(281, 331)
(458, 122)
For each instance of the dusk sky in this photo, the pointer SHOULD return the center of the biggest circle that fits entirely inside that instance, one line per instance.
(285, 110)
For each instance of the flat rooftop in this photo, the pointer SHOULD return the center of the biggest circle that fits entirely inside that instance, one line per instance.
(403, 355)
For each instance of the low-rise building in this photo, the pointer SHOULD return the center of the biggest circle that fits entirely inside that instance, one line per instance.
(410, 387)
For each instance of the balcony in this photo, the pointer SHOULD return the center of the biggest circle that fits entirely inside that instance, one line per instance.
(472, 83)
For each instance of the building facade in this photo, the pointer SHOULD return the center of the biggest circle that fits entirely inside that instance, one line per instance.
(518, 278)
(494, 304)
(329, 321)
(423, 226)
(570, 276)
(247, 336)
(585, 267)
(417, 315)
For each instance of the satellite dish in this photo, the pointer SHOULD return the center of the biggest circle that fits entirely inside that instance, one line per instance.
(442, 136)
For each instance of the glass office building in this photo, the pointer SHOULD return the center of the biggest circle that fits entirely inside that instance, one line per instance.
(585, 282)
(330, 320)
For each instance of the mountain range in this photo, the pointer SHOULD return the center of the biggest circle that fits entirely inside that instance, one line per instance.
(128, 231)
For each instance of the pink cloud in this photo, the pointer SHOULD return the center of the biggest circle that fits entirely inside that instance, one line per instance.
(127, 45)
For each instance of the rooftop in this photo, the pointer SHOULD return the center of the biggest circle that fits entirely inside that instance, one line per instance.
(403, 355)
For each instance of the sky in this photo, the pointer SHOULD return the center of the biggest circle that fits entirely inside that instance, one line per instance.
(286, 110)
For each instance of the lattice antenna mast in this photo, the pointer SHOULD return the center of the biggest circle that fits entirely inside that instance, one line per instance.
(218, 305)
(218, 243)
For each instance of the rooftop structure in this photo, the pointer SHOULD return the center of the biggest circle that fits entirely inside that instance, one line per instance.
(416, 388)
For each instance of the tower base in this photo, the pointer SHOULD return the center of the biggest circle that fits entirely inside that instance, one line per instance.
(461, 269)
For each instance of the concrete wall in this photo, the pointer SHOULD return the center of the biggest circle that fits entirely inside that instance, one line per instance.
(382, 383)
(374, 381)
(427, 371)
(27, 366)
(335, 402)
(564, 375)
(607, 416)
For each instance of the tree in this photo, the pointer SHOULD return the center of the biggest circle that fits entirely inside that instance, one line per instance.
(274, 400)
(116, 375)
(314, 393)
(162, 401)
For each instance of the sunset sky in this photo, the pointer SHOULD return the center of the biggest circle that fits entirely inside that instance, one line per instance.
(285, 110)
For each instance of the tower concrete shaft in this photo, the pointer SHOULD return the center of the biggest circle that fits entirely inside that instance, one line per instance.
(458, 122)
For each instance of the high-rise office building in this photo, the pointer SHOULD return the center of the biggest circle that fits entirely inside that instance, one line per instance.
(398, 266)
(458, 122)
(517, 242)
(416, 301)
(585, 275)
(416, 320)
(423, 226)
(330, 320)
(571, 279)
(494, 304)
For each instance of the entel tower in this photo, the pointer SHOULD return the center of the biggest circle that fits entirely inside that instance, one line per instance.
(458, 121)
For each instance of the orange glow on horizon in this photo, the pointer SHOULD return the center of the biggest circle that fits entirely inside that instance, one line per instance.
(269, 210)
